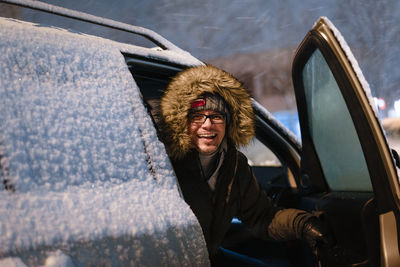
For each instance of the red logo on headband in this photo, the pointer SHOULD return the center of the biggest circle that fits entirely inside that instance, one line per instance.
(198, 103)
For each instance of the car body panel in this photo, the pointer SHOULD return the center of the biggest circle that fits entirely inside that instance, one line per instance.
(87, 175)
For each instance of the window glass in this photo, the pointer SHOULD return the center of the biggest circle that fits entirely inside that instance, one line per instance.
(260, 155)
(290, 119)
(332, 130)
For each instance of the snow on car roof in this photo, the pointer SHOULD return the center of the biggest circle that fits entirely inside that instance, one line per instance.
(80, 149)
(177, 56)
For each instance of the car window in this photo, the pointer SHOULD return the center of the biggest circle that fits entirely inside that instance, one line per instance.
(330, 124)
(290, 119)
(259, 155)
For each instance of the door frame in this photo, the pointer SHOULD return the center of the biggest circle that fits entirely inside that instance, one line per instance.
(325, 37)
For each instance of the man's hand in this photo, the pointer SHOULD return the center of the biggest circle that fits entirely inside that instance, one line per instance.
(315, 234)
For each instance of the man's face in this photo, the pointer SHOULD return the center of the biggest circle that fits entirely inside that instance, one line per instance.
(206, 136)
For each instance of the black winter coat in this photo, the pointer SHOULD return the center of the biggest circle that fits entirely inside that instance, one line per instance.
(237, 194)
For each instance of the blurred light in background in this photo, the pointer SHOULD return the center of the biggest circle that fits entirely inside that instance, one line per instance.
(397, 108)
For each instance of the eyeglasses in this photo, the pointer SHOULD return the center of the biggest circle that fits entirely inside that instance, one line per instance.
(199, 118)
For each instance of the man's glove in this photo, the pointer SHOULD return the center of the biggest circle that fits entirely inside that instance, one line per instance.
(315, 235)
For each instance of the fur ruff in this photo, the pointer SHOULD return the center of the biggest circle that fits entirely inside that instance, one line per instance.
(186, 87)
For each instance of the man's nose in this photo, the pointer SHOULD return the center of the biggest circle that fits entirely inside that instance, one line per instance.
(207, 123)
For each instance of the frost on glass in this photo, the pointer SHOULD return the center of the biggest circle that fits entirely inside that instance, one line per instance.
(354, 64)
(76, 143)
(332, 129)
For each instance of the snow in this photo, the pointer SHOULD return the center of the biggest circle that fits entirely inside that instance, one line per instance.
(58, 259)
(100, 21)
(364, 83)
(54, 259)
(284, 130)
(76, 142)
(353, 62)
(12, 262)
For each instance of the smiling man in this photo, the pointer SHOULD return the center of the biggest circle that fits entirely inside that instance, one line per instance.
(207, 127)
(207, 114)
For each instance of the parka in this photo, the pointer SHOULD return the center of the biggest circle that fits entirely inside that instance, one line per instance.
(237, 192)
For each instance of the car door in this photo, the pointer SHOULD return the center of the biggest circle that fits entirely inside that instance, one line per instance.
(347, 171)
(344, 170)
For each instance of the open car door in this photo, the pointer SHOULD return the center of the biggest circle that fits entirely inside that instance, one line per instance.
(347, 170)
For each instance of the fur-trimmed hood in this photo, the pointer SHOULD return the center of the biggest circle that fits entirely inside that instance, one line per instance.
(186, 87)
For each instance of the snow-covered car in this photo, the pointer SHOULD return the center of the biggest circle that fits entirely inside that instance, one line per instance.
(86, 181)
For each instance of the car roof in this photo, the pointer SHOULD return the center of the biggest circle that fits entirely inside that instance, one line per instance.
(163, 49)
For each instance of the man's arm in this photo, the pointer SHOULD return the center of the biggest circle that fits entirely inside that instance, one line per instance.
(266, 220)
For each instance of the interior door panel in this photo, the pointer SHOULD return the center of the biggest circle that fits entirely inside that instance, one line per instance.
(352, 218)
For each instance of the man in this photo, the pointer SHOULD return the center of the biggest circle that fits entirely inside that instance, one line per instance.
(206, 115)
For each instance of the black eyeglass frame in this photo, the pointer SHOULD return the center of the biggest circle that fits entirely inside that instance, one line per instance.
(205, 117)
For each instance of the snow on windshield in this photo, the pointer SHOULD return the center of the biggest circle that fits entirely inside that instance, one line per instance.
(80, 150)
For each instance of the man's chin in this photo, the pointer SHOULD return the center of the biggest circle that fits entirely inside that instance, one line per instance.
(207, 149)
